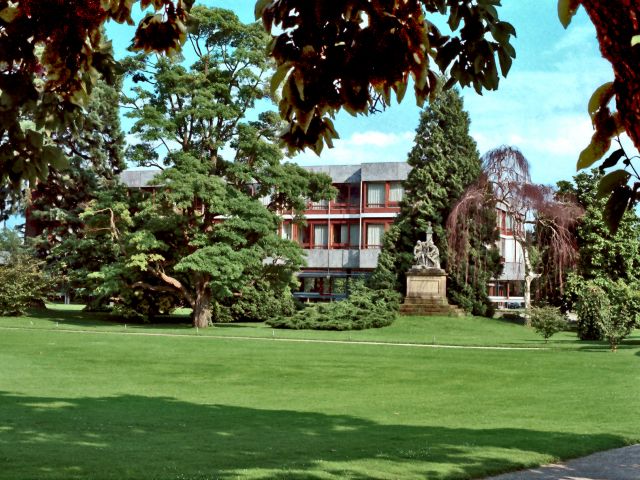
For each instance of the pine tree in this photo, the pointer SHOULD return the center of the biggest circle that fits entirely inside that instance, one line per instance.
(445, 162)
(95, 158)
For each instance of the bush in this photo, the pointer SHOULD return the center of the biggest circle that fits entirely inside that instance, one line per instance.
(608, 310)
(623, 314)
(22, 284)
(364, 308)
(592, 304)
(261, 303)
(547, 321)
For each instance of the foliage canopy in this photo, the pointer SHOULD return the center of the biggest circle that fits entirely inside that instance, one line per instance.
(208, 231)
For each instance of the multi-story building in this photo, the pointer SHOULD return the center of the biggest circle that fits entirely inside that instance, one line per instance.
(342, 238)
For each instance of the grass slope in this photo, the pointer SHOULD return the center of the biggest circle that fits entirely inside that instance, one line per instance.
(87, 405)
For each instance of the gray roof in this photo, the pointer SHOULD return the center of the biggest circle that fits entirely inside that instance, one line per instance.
(366, 172)
(138, 178)
(385, 171)
(338, 173)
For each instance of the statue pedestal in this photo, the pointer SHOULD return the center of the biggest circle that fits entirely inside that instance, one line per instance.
(426, 283)
(427, 293)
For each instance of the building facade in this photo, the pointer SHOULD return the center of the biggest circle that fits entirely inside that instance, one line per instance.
(508, 290)
(342, 238)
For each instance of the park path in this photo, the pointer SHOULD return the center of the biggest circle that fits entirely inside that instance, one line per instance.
(277, 339)
(618, 464)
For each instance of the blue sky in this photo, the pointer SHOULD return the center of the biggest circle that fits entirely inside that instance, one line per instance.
(541, 107)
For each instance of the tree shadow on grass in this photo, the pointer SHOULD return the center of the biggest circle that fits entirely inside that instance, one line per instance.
(130, 436)
(83, 319)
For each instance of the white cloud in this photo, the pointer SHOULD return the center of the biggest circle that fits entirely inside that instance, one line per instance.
(378, 139)
(367, 146)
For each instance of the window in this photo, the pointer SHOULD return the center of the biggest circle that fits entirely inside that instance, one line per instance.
(374, 235)
(375, 194)
(354, 196)
(340, 234)
(396, 192)
(320, 236)
(304, 236)
(345, 235)
(509, 223)
(342, 198)
(287, 231)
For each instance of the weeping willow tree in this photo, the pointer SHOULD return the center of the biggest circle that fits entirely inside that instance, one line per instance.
(540, 218)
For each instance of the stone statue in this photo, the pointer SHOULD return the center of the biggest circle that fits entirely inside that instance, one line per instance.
(426, 254)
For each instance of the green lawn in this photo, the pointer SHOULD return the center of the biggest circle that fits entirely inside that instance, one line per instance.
(471, 331)
(125, 406)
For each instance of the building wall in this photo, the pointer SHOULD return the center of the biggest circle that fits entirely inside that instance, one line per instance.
(343, 237)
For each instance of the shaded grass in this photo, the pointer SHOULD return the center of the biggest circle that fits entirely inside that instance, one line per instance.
(135, 407)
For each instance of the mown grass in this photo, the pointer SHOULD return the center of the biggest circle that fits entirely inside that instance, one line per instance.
(466, 331)
(77, 405)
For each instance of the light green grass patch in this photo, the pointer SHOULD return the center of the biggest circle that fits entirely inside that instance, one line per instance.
(102, 406)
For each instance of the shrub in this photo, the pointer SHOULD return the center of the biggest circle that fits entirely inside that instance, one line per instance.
(592, 304)
(547, 321)
(608, 310)
(22, 284)
(364, 308)
(623, 314)
(261, 303)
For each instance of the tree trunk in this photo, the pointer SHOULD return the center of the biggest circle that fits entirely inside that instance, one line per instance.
(201, 311)
(202, 304)
(527, 292)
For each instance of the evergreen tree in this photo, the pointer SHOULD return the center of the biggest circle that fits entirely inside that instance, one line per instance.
(445, 162)
(211, 233)
(95, 158)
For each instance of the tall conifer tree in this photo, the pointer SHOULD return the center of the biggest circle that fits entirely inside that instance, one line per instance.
(445, 162)
(95, 153)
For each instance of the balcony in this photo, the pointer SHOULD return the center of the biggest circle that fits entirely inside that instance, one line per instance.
(338, 259)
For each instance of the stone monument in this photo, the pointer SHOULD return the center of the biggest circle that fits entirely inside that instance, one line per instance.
(427, 282)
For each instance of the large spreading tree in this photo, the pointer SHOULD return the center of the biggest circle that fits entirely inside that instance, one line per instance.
(445, 162)
(209, 229)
